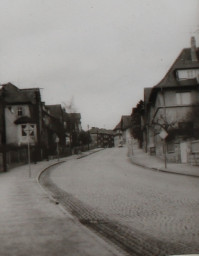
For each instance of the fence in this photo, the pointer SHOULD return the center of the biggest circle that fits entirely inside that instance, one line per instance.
(19, 155)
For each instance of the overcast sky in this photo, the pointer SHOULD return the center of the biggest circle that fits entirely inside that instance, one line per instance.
(101, 53)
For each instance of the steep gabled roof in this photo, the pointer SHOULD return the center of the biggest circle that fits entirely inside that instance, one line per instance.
(183, 61)
(118, 126)
(14, 95)
(126, 122)
(55, 110)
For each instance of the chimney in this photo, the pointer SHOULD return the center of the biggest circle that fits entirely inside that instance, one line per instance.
(193, 49)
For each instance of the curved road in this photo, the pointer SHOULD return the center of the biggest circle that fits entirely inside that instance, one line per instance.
(142, 211)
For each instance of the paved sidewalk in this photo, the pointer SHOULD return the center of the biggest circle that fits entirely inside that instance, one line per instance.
(31, 224)
(145, 160)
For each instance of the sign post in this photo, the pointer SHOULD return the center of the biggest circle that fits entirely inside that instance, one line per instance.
(163, 134)
(28, 129)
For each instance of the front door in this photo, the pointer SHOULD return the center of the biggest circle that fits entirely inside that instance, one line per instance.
(183, 152)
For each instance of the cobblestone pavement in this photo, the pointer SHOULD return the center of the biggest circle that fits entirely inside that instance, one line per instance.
(143, 212)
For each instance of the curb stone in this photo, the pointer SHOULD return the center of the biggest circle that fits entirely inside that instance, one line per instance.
(162, 170)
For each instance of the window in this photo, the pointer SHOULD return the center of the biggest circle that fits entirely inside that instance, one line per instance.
(187, 74)
(183, 98)
(23, 133)
(195, 146)
(170, 147)
(20, 111)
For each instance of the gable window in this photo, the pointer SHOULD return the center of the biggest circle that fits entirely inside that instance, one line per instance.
(187, 74)
(183, 98)
(20, 111)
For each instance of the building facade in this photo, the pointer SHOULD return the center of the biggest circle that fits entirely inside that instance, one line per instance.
(102, 138)
(122, 131)
(171, 109)
(20, 123)
(27, 123)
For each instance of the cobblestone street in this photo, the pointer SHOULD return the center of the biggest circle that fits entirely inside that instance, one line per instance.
(145, 212)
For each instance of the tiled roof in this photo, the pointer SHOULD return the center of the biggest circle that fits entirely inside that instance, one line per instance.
(126, 122)
(118, 126)
(55, 110)
(183, 61)
(14, 95)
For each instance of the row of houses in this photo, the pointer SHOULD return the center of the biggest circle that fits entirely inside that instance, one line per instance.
(166, 121)
(26, 120)
(122, 131)
(102, 138)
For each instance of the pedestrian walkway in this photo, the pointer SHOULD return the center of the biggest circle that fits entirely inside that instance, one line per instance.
(31, 224)
(143, 159)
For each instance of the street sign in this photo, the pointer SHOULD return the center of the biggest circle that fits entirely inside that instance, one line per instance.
(163, 134)
(29, 129)
(56, 139)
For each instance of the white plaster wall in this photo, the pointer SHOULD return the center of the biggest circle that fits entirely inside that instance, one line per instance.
(13, 130)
